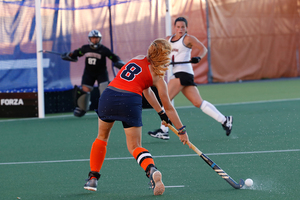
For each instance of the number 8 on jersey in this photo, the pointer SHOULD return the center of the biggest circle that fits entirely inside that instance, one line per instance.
(130, 71)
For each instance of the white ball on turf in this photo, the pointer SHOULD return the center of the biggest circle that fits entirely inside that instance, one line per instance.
(248, 182)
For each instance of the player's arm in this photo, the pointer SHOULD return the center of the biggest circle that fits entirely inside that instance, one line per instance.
(165, 100)
(72, 56)
(192, 41)
(67, 56)
(170, 110)
(152, 100)
(118, 63)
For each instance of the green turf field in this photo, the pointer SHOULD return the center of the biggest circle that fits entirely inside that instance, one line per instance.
(49, 158)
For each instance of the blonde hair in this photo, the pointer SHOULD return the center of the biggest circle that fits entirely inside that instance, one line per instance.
(158, 55)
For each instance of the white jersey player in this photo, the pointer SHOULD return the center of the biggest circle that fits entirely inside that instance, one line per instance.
(182, 79)
(181, 53)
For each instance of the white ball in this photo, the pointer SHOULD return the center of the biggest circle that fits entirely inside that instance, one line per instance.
(248, 182)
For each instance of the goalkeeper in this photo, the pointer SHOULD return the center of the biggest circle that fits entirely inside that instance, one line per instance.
(95, 70)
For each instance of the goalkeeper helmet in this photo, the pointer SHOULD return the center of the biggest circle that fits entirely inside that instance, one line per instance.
(96, 34)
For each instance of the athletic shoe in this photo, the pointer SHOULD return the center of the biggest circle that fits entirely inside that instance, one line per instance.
(78, 112)
(159, 134)
(92, 181)
(156, 183)
(227, 125)
(91, 184)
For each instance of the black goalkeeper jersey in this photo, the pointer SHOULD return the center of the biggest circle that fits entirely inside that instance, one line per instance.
(95, 59)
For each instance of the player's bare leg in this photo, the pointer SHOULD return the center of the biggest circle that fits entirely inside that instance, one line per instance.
(174, 87)
(144, 159)
(193, 95)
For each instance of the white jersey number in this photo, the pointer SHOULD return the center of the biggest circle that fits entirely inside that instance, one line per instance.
(92, 61)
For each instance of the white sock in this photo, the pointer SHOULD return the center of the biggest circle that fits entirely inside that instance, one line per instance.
(212, 111)
(163, 128)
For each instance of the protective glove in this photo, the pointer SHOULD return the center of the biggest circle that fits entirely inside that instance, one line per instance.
(195, 59)
(66, 56)
(119, 64)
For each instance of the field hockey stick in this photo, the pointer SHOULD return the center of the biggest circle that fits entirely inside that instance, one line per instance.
(52, 52)
(213, 165)
(64, 57)
(193, 60)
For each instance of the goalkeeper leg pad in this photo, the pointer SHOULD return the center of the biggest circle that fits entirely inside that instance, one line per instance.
(81, 98)
(102, 86)
(77, 92)
(83, 101)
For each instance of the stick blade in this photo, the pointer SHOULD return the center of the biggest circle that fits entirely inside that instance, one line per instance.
(241, 183)
(234, 184)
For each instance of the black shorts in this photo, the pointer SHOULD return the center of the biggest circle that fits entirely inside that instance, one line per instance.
(186, 79)
(89, 78)
(120, 106)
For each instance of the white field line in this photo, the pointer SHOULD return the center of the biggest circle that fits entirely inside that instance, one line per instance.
(174, 186)
(165, 156)
(145, 110)
(250, 102)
